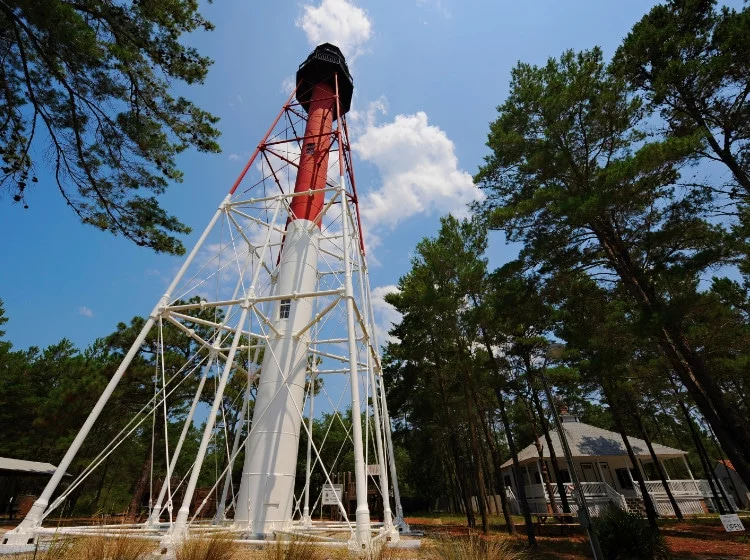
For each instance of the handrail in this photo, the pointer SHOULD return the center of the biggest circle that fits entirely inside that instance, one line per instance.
(677, 487)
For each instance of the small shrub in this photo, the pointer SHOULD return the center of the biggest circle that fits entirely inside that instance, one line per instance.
(474, 548)
(625, 535)
(217, 546)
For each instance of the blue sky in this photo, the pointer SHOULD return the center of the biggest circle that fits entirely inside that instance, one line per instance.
(428, 74)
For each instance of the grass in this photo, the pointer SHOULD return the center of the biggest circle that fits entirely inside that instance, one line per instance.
(99, 547)
(217, 546)
(296, 549)
(473, 547)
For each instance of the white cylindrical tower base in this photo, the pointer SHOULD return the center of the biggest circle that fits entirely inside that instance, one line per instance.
(266, 494)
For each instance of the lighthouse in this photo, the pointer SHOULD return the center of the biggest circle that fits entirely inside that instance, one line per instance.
(265, 498)
(279, 272)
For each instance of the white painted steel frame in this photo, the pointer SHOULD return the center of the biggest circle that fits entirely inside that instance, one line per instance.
(333, 287)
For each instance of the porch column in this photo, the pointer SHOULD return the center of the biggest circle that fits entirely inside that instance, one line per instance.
(690, 473)
(664, 466)
(599, 470)
(640, 467)
(541, 478)
(630, 476)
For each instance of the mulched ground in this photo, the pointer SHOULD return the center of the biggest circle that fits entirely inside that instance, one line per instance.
(695, 539)
(706, 541)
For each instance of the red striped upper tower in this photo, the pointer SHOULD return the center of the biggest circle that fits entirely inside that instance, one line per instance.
(319, 78)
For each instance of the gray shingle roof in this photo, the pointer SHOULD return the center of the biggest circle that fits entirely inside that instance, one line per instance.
(589, 441)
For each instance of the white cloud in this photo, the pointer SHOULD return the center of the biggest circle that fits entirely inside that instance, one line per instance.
(339, 22)
(385, 315)
(85, 311)
(287, 85)
(418, 168)
(234, 157)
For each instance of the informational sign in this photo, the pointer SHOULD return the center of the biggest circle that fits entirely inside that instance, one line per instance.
(732, 523)
(332, 494)
(373, 470)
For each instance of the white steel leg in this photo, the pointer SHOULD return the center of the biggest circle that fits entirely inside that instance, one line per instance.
(400, 523)
(179, 529)
(383, 473)
(221, 508)
(306, 520)
(360, 476)
(153, 518)
(24, 533)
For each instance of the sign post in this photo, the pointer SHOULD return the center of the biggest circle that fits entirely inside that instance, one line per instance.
(332, 494)
(732, 523)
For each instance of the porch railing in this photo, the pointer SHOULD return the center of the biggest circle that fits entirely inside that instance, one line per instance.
(597, 492)
(678, 487)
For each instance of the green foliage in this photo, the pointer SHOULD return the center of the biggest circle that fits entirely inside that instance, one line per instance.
(576, 176)
(572, 175)
(90, 82)
(693, 63)
(46, 394)
(625, 535)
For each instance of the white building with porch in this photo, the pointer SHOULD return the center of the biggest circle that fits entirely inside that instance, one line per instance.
(606, 473)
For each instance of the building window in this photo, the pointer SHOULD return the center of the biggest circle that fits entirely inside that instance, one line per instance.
(284, 308)
(564, 475)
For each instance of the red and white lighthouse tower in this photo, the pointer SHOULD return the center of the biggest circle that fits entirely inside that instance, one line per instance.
(273, 302)
(266, 494)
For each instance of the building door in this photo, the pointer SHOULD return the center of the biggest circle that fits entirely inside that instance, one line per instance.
(608, 478)
(588, 472)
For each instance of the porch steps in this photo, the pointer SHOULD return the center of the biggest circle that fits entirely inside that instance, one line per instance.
(635, 504)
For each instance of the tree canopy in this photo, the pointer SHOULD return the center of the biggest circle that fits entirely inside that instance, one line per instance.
(575, 177)
(87, 86)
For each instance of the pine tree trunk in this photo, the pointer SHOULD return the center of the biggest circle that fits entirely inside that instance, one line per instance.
(450, 427)
(659, 466)
(516, 471)
(477, 464)
(100, 486)
(552, 453)
(703, 456)
(730, 428)
(465, 493)
(647, 503)
(512, 445)
(476, 456)
(500, 483)
(134, 509)
(542, 464)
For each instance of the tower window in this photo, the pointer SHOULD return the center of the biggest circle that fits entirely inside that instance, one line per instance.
(284, 308)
